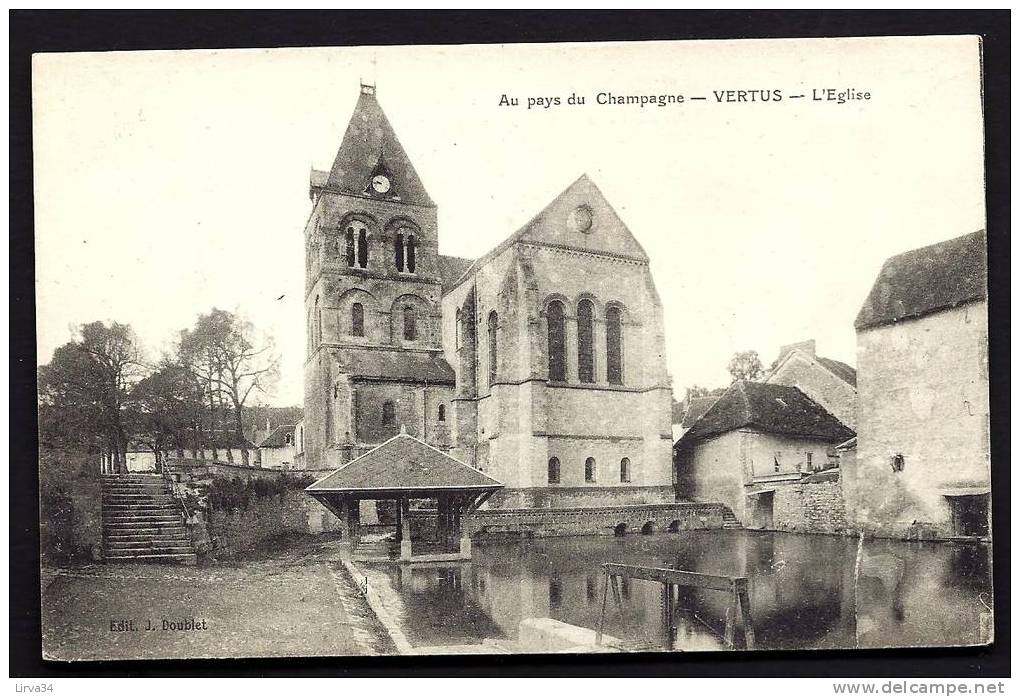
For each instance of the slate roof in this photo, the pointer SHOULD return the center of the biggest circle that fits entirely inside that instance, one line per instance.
(926, 280)
(400, 366)
(844, 372)
(451, 269)
(697, 409)
(278, 437)
(777, 409)
(370, 138)
(404, 463)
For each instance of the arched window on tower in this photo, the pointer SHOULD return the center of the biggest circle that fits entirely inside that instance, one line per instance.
(358, 319)
(585, 344)
(557, 345)
(398, 251)
(389, 414)
(493, 348)
(614, 346)
(554, 470)
(442, 412)
(625, 470)
(363, 248)
(410, 254)
(410, 325)
(457, 329)
(589, 470)
(349, 242)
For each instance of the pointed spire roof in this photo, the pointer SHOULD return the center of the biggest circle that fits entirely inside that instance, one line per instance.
(370, 146)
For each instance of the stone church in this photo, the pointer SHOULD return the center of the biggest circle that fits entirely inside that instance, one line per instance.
(541, 363)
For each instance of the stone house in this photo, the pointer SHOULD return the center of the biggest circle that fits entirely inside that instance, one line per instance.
(276, 451)
(541, 363)
(830, 383)
(922, 464)
(759, 450)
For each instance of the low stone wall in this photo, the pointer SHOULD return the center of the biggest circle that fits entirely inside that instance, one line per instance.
(558, 522)
(179, 468)
(231, 532)
(71, 523)
(580, 497)
(815, 507)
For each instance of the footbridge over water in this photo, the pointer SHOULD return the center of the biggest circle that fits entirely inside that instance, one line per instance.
(609, 520)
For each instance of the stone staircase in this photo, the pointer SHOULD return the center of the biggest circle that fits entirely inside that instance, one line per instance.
(142, 522)
(730, 521)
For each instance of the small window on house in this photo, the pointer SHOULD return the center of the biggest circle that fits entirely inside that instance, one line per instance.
(389, 415)
(442, 412)
(810, 463)
(589, 470)
(897, 462)
(554, 470)
(555, 593)
(777, 460)
(625, 470)
(358, 319)
(410, 326)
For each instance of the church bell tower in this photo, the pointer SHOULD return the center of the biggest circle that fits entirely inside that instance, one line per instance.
(374, 361)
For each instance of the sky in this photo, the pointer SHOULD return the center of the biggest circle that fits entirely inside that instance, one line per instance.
(171, 182)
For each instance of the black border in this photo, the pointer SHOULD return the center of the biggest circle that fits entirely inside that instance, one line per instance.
(45, 31)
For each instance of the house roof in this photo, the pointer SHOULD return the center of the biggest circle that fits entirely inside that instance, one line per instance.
(279, 437)
(451, 269)
(404, 463)
(777, 409)
(370, 145)
(926, 280)
(400, 366)
(846, 373)
(697, 409)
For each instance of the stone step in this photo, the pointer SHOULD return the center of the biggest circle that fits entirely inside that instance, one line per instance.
(188, 559)
(137, 525)
(170, 546)
(175, 536)
(141, 508)
(155, 517)
(134, 536)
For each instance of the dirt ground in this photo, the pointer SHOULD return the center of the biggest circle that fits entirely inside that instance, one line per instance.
(291, 597)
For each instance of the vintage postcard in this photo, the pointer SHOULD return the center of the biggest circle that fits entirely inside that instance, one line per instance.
(495, 349)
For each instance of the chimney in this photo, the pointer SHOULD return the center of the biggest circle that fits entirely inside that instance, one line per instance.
(807, 347)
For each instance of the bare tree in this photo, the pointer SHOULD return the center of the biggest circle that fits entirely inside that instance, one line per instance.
(223, 351)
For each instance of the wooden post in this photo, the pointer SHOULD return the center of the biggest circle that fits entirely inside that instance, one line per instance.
(731, 618)
(353, 522)
(602, 615)
(746, 621)
(405, 529)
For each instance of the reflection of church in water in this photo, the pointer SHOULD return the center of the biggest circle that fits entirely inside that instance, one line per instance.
(541, 363)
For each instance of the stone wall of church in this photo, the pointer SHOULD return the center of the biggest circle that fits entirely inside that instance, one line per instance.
(521, 420)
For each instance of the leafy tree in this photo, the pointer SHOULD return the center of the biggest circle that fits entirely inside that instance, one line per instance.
(745, 365)
(167, 409)
(695, 391)
(230, 362)
(84, 391)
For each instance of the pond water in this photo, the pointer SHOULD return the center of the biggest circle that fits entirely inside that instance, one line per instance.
(802, 590)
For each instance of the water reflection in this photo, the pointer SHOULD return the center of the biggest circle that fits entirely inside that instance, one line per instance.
(801, 589)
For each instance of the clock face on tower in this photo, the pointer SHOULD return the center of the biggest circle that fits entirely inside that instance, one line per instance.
(381, 183)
